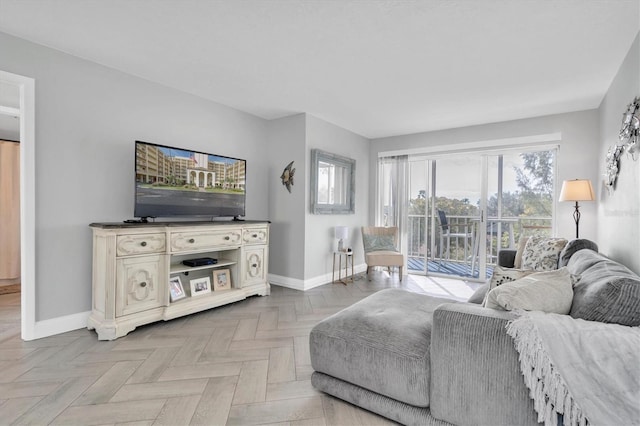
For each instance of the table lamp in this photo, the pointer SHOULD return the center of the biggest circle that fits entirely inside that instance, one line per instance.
(341, 233)
(577, 190)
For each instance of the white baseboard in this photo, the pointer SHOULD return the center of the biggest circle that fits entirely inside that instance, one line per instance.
(59, 325)
(308, 284)
(72, 322)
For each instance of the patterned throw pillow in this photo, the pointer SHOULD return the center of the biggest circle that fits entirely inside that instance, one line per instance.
(378, 243)
(541, 253)
(505, 275)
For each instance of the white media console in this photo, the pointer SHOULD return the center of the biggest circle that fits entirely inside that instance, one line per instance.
(133, 263)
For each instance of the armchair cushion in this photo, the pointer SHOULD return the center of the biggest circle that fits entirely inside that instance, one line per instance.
(378, 242)
(384, 258)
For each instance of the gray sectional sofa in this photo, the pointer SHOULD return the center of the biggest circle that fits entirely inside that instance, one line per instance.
(423, 360)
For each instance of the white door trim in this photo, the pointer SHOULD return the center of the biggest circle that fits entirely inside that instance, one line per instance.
(26, 86)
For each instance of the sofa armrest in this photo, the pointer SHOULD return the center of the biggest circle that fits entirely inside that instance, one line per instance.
(507, 258)
(475, 372)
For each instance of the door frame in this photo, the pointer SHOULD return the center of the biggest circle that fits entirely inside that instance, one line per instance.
(543, 141)
(26, 87)
(430, 231)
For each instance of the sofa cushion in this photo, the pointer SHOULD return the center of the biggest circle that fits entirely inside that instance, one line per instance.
(549, 291)
(380, 343)
(542, 253)
(572, 247)
(607, 291)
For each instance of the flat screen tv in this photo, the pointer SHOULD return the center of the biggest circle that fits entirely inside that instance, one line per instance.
(178, 182)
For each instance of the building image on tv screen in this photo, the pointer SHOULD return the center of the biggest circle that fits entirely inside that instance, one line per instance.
(172, 181)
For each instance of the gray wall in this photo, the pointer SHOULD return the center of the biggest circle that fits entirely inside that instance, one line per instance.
(87, 118)
(319, 229)
(577, 156)
(286, 140)
(302, 243)
(619, 212)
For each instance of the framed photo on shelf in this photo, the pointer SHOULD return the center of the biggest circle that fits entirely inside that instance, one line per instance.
(200, 286)
(221, 279)
(176, 290)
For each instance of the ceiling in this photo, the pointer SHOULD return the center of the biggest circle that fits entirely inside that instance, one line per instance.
(377, 68)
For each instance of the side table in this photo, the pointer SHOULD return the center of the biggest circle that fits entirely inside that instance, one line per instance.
(348, 258)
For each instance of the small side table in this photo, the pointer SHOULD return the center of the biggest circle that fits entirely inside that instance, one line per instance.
(348, 258)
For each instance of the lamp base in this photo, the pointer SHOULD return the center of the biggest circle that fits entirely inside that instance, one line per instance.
(576, 217)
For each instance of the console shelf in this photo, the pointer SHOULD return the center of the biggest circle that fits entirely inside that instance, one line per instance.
(177, 268)
(132, 265)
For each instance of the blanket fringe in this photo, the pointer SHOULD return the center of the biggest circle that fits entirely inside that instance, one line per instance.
(546, 387)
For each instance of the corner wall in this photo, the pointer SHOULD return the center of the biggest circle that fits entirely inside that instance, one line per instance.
(305, 241)
(287, 142)
(619, 211)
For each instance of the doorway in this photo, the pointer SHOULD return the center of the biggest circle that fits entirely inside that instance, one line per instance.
(24, 108)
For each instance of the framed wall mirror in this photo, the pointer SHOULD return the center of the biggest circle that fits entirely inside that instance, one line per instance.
(333, 186)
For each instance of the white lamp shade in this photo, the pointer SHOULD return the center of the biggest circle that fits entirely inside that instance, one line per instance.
(341, 232)
(577, 190)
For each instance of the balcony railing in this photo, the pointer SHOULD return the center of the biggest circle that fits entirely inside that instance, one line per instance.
(459, 257)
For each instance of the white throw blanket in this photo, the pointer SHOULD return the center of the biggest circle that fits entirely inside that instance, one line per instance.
(587, 371)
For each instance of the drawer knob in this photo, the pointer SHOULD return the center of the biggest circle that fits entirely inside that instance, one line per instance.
(143, 244)
(143, 284)
(192, 240)
(255, 235)
(227, 238)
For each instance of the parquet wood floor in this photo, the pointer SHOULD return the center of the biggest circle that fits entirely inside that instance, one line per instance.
(242, 364)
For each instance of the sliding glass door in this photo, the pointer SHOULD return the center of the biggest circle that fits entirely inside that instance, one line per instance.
(464, 208)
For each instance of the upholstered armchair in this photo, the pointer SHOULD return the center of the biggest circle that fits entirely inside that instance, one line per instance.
(381, 248)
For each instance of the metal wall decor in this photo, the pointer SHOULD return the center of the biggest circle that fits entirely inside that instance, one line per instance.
(630, 130)
(629, 136)
(611, 171)
(287, 176)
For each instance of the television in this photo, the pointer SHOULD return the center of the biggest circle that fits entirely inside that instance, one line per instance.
(179, 182)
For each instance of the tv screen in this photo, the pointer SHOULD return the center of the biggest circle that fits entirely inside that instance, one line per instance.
(179, 182)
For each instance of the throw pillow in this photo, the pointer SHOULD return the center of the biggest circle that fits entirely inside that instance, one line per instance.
(505, 275)
(572, 247)
(378, 243)
(479, 295)
(549, 291)
(608, 291)
(521, 243)
(541, 253)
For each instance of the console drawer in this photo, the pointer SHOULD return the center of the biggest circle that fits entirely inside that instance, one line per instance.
(255, 236)
(191, 241)
(127, 245)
